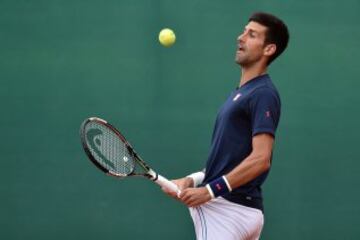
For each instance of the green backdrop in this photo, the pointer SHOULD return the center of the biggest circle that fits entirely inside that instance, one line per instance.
(64, 61)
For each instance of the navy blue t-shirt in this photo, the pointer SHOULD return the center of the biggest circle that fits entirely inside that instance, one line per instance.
(249, 110)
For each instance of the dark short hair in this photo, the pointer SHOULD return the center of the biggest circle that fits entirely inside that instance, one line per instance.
(277, 32)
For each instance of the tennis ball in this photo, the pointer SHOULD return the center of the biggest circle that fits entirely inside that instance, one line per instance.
(167, 37)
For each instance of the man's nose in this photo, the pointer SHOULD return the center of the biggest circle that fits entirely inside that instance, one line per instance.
(241, 38)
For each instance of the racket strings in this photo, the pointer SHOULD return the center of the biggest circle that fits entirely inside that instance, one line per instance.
(108, 149)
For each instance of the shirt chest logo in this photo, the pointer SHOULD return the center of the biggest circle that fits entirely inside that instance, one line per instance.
(237, 97)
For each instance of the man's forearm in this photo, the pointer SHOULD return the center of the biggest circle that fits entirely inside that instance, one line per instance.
(250, 168)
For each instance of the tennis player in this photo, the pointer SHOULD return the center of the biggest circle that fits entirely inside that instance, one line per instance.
(225, 199)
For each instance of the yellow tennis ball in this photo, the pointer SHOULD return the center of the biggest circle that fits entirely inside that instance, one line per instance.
(167, 37)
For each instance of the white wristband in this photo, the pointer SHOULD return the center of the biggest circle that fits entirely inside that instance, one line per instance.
(197, 177)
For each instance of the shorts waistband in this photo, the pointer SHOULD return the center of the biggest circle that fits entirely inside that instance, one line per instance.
(246, 201)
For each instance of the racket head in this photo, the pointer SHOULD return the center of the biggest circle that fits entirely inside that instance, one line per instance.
(107, 148)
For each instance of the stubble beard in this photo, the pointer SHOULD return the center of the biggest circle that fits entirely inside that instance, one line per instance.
(242, 61)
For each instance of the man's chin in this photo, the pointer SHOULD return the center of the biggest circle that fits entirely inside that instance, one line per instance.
(239, 61)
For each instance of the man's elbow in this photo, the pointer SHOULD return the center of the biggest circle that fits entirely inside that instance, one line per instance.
(265, 162)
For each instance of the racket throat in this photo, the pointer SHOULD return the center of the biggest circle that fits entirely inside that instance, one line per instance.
(152, 175)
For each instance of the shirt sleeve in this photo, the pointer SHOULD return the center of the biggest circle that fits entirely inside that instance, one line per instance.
(264, 111)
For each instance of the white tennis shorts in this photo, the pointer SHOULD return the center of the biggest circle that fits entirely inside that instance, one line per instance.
(220, 219)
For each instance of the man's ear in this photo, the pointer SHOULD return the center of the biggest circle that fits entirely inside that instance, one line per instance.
(270, 49)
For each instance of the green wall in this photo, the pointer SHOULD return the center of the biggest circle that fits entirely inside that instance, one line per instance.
(63, 61)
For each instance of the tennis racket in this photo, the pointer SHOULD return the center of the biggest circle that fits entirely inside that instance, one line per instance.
(108, 149)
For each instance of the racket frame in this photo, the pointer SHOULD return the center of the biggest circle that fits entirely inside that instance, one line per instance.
(149, 173)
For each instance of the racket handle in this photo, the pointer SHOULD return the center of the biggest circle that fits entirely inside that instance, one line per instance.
(163, 182)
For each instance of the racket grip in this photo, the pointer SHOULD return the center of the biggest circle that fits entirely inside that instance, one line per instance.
(163, 182)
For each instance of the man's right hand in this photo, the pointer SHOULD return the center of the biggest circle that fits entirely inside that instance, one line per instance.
(182, 183)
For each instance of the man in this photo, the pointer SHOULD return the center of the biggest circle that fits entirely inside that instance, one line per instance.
(225, 200)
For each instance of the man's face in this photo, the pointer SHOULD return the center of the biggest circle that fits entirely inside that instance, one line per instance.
(251, 44)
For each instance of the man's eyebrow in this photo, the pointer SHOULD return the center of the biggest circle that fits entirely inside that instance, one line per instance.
(251, 30)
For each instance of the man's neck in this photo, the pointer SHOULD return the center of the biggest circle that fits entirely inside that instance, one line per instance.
(249, 73)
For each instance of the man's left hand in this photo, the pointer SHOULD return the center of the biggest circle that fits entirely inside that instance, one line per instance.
(194, 197)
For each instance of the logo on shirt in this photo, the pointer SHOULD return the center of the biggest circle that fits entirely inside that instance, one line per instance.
(237, 97)
(218, 186)
(267, 114)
